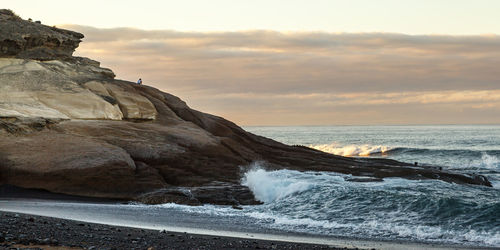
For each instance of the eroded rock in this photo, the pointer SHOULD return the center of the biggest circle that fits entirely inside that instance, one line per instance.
(72, 165)
(47, 89)
(67, 126)
(24, 39)
(132, 104)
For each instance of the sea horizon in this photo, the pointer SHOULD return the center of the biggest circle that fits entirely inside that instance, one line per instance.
(374, 125)
(258, 124)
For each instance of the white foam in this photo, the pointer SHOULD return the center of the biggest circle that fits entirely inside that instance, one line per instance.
(269, 186)
(495, 184)
(272, 186)
(490, 162)
(351, 150)
(431, 233)
(288, 221)
(381, 227)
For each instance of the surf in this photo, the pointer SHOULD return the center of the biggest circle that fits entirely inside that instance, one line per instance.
(352, 150)
(395, 209)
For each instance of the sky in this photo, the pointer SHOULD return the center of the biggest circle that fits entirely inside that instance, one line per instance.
(300, 62)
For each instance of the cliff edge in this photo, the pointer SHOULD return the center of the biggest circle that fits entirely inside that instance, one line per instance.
(68, 126)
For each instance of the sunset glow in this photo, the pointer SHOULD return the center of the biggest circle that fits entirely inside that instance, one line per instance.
(262, 64)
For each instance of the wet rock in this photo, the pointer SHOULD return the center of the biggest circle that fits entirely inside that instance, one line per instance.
(364, 179)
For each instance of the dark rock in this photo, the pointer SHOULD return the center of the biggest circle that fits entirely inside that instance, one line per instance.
(364, 179)
(22, 125)
(168, 153)
(27, 40)
(54, 242)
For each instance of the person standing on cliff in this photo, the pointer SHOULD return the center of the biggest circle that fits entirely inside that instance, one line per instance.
(139, 81)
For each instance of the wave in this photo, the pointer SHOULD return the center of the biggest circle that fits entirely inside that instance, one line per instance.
(378, 228)
(271, 186)
(372, 228)
(489, 158)
(352, 150)
(490, 162)
(324, 203)
(396, 209)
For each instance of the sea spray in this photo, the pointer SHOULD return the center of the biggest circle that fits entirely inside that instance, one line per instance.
(272, 185)
(431, 211)
(490, 166)
(397, 209)
(352, 150)
(490, 162)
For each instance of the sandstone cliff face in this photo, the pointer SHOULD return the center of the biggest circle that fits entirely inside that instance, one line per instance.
(47, 89)
(67, 126)
(25, 39)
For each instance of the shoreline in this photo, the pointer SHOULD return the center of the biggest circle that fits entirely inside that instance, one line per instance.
(20, 230)
(198, 237)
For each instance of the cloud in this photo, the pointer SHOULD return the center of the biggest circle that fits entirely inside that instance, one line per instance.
(322, 76)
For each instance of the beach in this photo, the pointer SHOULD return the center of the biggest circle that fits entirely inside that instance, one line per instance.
(30, 231)
(300, 210)
(285, 130)
(108, 225)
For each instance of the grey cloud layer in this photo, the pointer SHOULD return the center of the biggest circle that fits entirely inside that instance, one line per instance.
(319, 70)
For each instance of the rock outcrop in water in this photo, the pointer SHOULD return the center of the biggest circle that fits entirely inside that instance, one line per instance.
(67, 126)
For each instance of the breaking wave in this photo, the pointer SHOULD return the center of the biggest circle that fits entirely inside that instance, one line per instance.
(394, 209)
(398, 209)
(268, 187)
(352, 150)
(490, 162)
(488, 158)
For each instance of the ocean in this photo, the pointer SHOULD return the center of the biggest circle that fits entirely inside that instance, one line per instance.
(429, 211)
(327, 205)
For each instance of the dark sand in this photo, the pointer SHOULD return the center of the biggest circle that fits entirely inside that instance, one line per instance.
(30, 231)
(19, 230)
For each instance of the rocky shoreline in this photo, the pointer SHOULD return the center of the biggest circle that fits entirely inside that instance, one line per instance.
(68, 126)
(22, 231)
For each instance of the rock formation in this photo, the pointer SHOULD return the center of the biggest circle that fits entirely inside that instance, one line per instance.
(67, 126)
(32, 40)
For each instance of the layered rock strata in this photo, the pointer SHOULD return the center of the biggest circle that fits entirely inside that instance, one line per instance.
(67, 126)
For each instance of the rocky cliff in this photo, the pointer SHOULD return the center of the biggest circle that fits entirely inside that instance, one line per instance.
(67, 126)
(32, 40)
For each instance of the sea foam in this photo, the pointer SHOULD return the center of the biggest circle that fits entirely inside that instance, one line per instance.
(490, 162)
(269, 186)
(351, 150)
(325, 203)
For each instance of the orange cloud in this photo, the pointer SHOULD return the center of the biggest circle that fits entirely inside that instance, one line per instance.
(268, 77)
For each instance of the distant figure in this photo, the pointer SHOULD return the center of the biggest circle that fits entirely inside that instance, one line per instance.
(139, 81)
(416, 163)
